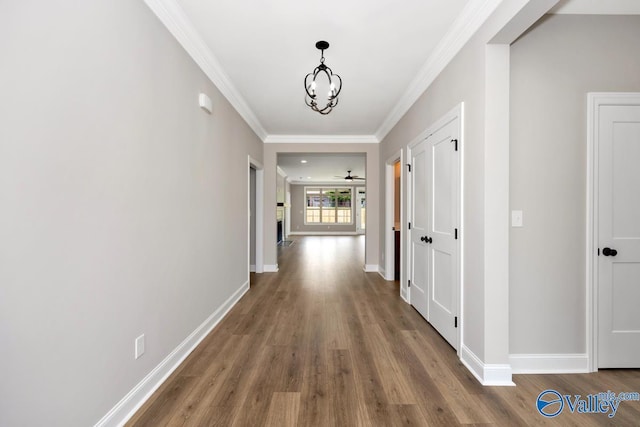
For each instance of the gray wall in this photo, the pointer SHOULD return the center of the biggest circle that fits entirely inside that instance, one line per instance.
(553, 66)
(297, 212)
(118, 215)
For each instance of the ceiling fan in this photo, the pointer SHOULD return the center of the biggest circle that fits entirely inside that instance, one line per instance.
(350, 177)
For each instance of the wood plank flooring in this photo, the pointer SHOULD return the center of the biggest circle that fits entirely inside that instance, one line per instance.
(321, 343)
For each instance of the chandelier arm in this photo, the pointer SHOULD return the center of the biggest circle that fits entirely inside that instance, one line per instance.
(306, 101)
(306, 86)
(339, 86)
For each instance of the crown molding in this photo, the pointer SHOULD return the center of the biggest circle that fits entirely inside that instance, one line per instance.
(337, 183)
(176, 21)
(474, 14)
(281, 172)
(321, 139)
(179, 25)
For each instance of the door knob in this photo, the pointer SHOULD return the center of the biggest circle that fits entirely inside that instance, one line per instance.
(609, 252)
(426, 239)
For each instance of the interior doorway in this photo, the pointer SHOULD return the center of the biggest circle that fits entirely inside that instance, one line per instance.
(335, 174)
(255, 217)
(394, 237)
(252, 219)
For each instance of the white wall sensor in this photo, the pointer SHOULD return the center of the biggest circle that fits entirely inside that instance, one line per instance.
(205, 103)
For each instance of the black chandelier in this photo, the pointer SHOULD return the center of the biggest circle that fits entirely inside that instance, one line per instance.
(312, 87)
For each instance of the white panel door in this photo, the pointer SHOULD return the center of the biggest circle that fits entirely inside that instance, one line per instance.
(442, 206)
(619, 237)
(419, 226)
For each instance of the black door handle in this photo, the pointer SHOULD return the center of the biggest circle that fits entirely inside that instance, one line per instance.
(609, 252)
(426, 239)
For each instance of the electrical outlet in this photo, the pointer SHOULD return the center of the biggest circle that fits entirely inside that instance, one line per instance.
(139, 346)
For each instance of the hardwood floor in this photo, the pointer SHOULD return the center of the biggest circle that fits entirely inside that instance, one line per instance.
(321, 343)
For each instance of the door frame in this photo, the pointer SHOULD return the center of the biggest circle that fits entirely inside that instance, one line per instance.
(358, 216)
(259, 214)
(456, 112)
(389, 238)
(594, 101)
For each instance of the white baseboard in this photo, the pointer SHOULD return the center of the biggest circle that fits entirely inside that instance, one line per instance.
(549, 363)
(486, 374)
(129, 404)
(252, 268)
(371, 268)
(323, 233)
(270, 268)
(385, 276)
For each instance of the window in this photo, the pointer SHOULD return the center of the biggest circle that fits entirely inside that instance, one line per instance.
(328, 205)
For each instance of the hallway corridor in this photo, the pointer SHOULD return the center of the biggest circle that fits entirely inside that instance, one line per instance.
(321, 343)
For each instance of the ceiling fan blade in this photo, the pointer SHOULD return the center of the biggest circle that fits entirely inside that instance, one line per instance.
(355, 177)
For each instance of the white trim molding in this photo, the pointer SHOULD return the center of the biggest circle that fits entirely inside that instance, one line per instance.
(323, 233)
(549, 363)
(271, 268)
(486, 374)
(321, 139)
(389, 213)
(129, 404)
(371, 268)
(403, 295)
(337, 183)
(175, 19)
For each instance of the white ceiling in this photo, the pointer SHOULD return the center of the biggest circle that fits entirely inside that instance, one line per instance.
(386, 51)
(260, 51)
(321, 167)
(376, 46)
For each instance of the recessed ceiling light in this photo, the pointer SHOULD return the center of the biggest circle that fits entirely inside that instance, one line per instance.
(308, 177)
(303, 161)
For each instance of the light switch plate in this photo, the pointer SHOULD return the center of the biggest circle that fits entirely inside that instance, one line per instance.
(139, 346)
(516, 218)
